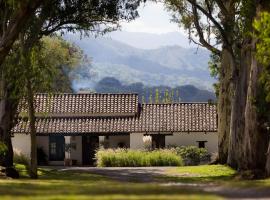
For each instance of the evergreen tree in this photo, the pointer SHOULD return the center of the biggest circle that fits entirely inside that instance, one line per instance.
(157, 96)
(150, 100)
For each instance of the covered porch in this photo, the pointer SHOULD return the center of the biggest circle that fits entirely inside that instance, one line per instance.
(80, 149)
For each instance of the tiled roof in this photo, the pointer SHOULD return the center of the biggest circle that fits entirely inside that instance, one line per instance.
(179, 117)
(176, 117)
(83, 105)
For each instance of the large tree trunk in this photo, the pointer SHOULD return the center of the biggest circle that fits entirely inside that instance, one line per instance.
(31, 115)
(8, 107)
(255, 140)
(224, 107)
(5, 136)
(267, 166)
(226, 92)
(237, 126)
(248, 143)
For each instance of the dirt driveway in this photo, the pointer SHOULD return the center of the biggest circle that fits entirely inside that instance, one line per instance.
(151, 174)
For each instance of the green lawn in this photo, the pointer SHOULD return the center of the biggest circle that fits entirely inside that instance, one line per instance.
(80, 185)
(53, 184)
(202, 173)
(218, 174)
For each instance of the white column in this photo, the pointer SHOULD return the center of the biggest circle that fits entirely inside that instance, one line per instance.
(136, 141)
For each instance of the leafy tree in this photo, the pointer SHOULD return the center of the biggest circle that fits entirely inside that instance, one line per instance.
(157, 96)
(150, 97)
(15, 15)
(226, 29)
(262, 27)
(262, 33)
(172, 96)
(177, 96)
(42, 67)
(50, 17)
(166, 97)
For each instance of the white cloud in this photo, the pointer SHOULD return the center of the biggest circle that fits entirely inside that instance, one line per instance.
(153, 19)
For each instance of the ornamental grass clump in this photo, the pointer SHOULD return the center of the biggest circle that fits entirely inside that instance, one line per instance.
(137, 158)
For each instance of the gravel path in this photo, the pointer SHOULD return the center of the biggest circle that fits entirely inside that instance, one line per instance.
(127, 174)
(150, 174)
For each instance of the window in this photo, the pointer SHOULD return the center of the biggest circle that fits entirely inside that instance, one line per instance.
(53, 148)
(201, 144)
(56, 148)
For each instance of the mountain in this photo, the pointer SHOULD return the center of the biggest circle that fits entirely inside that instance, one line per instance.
(150, 40)
(166, 65)
(185, 93)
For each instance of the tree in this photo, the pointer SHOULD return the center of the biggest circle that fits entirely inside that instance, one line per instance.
(14, 17)
(172, 96)
(58, 16)
(157, 96)
(203, 20)
(150, 97)
(166, 97)
(41, 66)
(228, 24)
(262, 33)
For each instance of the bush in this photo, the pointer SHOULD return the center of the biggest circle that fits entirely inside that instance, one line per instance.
(137, 158)
(20, 158)
(3, 149)
(193, 155)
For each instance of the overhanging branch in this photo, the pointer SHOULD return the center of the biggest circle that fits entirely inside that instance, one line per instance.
(212, 19)
(200, 33)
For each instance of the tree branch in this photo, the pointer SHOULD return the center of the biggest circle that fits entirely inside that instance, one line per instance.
(222, 7)
(200, 33)
(208, 15)
(15, 25)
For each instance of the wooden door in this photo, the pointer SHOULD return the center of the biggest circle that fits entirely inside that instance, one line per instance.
(89, 146)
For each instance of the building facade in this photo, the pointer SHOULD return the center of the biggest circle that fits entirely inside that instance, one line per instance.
(86, 121)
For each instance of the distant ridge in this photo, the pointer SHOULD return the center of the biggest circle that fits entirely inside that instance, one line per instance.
(167, 65)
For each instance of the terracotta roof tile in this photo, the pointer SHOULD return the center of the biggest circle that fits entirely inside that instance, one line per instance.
(83, 105)
(176, 117)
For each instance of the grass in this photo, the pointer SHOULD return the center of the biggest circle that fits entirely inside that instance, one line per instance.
(137, 158)
(74, 185)
(217, 174)
(202, 173)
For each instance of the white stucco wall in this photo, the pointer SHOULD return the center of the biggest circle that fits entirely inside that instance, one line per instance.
(136, 141)
(22, 143)
(188, 139)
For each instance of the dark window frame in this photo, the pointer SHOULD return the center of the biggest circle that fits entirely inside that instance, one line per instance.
(201, 143)
(56, 148)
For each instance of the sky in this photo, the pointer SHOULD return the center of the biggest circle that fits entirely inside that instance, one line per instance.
(153, 19)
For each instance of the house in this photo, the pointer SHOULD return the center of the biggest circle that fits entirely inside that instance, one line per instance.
(112, 120)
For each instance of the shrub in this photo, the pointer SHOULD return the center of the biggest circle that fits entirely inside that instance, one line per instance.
(193, 155)
(137, 158)
(20, 158)
(3, 149)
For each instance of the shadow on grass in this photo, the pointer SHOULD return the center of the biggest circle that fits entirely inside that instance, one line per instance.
(76, 185)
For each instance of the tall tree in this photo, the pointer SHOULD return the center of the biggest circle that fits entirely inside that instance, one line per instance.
(63, 16)
(14, 17)
(210, 24)
(229, 25)
(41, 69)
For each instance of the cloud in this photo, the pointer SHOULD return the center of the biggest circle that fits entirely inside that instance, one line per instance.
(153, 19)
